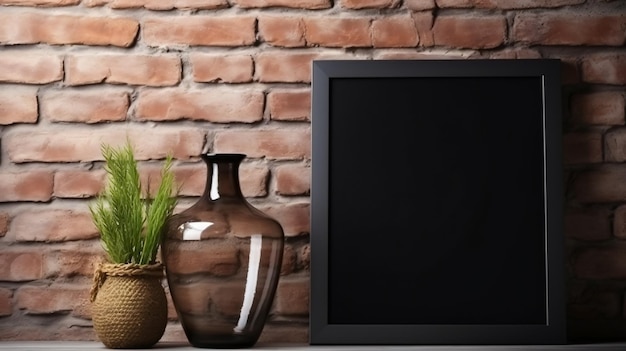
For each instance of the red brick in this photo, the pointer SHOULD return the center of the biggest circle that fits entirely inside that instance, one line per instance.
(290, 105)
(419, 5)
(344, 32)
(284, 67)
(424, 25)
(601, 185)
(42, 3)
(607, 262)
(75, 261)
(85, 106)
(604, 69)
(394, 32)
(78, 184)
(294, 218)
(221, 68)
(304, 257)
(192, 179)
(199, 31)
(158, 70)
(290, 260)
(35, 185)
(47, 28)
(159, 5)
(18, 105)
(570, 29)
(516, 53)
(281, 333)
(5, 220)
(6, 302)
(293, 179)
(44, 299)
(292, 297)
(589, 224)
(369, 4)
(77, 145)
(283, 31)
(30, 68)
(591, 301)
(619, 222)
(216, 257)
(506, 4)
(615, 145)
(297, 4)
(599, 108)
(20, 266)
(582, 148)
(215, 104)
(272, 144)
(470, 32)
(53, 225)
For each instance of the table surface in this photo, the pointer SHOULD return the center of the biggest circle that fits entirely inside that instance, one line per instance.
(87, 346)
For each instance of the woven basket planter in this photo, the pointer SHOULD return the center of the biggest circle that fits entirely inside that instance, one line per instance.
(129, 307)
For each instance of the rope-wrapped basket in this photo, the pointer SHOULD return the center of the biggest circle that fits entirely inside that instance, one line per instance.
(129, 306)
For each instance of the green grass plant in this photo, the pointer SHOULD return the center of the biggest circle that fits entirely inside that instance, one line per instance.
(131, 225)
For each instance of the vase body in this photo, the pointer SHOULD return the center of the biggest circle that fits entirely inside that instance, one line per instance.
(223, 259)
(129, 306)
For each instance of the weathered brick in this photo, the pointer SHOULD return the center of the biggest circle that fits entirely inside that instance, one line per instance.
(215, 104)
(271, 144)
(41, 3)
(599, 108)
(292, 297)
(221, 68)
(44, 299)
(199, 31)
(506, 4)
(290, 333)
(606, 262)
(216, 257)
(53, 225)
(590, 224)
(5, 220)
(297, 4)
(76, 145)
(290, 260)
(604, 69)
(582, 148)
(294, 218)
(394, 32)
(342, 32)
(284, 67)
(41, 27)
(18, 266)
(562, 29)
(290, 105)
(484, 32)
(85, 106)
(35, 185)
(369, 4)
(74, 261)
(18, 104)
(600, 185)
(6, 303)
(615, 145)
(420, 5)
(159, 5)
(282, 31)
(516, 53)
(29, 68)
(293, 179)
(158, 70)
(424, 21)
(78, 183)
(619, 222)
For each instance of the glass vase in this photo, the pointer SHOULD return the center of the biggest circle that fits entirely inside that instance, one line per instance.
(223, 259)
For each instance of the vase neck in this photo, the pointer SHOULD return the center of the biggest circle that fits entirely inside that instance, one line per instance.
(222, 176)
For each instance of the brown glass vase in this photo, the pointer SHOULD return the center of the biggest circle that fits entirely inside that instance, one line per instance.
(222, 258)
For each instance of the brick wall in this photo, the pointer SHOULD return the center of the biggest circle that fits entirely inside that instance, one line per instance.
(187, 76)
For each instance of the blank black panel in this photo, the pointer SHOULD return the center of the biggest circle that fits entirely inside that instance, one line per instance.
(436, 202)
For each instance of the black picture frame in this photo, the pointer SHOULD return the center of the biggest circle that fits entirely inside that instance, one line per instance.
(437, 202)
